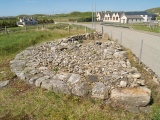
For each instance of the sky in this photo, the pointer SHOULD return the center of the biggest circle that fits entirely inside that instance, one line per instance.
(30, 7)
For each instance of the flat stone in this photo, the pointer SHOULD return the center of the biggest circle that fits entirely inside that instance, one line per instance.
(81, 89)
(138, 97)
(4, 83)
(100, 91)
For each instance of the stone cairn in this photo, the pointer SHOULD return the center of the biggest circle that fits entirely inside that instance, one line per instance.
(100, 70)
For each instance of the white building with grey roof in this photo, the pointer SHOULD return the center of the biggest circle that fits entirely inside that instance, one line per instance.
(126, 17)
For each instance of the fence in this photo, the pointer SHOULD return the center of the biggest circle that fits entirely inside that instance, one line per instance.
(62, 26)
(145, 46)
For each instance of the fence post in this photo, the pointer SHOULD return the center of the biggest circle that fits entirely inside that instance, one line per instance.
(5, 29)
(141, 48)
(102, 32)
(25, 28)
(85, 29)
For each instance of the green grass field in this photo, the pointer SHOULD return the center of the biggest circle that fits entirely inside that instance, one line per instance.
(19, 101)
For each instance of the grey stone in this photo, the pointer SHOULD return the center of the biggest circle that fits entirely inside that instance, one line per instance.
(131, 96)
(47, 84)
(100, 91)
(74, 78)
(81, 89)
(4, 83)
(141, 82)
(92, 78)
(147, 109)
(133, 109)
(136, 75)
(21, 75)
(63, 76)
(60, 86)
(39, 81)
(123, 84)
(32, 80)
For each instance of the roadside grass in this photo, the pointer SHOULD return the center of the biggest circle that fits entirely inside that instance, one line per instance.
(144, 27)
(20, 101)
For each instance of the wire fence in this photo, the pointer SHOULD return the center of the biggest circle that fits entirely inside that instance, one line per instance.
(41, 27)
(146, 47)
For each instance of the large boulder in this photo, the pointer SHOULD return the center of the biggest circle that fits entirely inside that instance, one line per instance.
(100, 91)
(138, 97)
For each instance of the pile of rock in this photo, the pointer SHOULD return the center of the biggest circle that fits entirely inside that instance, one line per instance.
(100, 70)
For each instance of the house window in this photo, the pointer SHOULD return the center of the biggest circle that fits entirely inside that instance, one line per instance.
(113, 18)
(110, 18)
(116, 18)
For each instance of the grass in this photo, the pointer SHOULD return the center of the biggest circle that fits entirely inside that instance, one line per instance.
(19, 101)
(144, 27)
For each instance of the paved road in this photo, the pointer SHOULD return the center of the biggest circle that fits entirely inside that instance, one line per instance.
(132, 39)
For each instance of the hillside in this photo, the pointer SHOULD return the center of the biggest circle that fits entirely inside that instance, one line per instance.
(154, 10)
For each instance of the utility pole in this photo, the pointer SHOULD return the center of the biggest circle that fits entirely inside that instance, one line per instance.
(92, 15)
(95, 18)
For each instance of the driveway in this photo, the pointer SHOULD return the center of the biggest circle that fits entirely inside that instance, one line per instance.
(132, 39)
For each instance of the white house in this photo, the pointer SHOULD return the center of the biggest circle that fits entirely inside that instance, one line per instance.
(126, 17)
(27, 21)
(100, 16)
(112, 17)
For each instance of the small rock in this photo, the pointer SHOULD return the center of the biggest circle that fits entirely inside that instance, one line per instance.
(136, 75)
(4, 83)
(141, 82)
(123, 84)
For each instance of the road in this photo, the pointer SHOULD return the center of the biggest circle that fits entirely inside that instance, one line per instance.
(132, 39)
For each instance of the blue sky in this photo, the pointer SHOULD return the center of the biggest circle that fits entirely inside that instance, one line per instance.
(17, 7)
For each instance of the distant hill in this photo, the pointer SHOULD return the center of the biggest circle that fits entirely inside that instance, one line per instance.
(154, 10)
